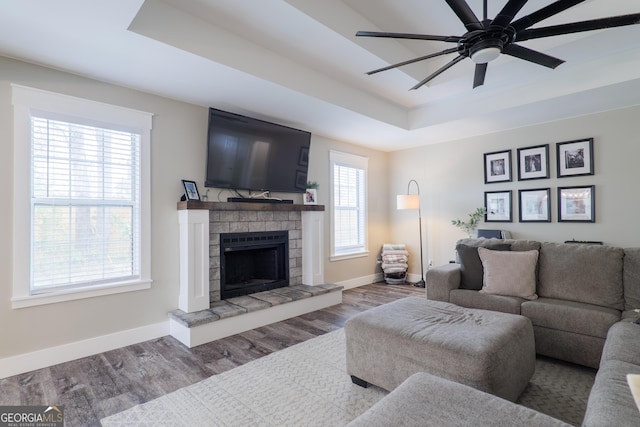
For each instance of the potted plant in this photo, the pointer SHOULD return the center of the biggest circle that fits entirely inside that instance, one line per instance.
(470, 225)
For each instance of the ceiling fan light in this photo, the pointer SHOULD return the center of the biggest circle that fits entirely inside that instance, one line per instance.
(484, 55)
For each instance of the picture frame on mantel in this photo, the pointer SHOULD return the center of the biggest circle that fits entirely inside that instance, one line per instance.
(575, 158)
(533, 162)
(311, 196)
(497, 167)
(498, 206)
(577, 204)
(190, 190)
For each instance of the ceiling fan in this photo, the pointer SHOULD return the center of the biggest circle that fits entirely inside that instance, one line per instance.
(485, 40)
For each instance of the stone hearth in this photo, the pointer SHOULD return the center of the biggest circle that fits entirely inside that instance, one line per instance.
(259, 301)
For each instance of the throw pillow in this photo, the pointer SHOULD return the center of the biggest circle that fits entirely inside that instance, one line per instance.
(470, 265)
(509, 273)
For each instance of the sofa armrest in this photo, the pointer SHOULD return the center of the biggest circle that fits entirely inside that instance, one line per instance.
(442, 280)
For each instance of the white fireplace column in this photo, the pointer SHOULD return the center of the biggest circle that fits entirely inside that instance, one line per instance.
(194, 260)
(312, 247)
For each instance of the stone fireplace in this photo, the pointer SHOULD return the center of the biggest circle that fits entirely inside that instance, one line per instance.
(265, 241)
(253, 262)
(203, 223)
(263, 223)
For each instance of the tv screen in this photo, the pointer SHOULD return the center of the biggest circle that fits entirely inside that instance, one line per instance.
(250, 154)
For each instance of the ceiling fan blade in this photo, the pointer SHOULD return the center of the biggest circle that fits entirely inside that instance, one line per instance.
(438, 72)
(577, 27)
(452, 39)
(544, 13)
(532, 56)
(478, 78)
(411, 61)
(508, 12)
(466, 15)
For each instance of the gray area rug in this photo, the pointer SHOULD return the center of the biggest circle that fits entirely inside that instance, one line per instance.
(307, 385)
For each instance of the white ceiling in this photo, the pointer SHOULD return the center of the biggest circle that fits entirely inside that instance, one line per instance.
(298, 62)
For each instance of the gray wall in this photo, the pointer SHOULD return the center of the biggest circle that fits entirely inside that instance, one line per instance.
(177, 152)
(452, 185)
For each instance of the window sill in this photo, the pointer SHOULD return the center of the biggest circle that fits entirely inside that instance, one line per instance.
(76, 294)
(349, 256)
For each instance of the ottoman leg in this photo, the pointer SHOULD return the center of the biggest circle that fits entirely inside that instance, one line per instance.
(358, 381)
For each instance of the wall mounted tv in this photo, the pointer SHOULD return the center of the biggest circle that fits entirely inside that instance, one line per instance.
(250, 154)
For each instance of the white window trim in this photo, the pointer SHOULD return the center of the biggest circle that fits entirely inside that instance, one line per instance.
(351, 160)
(25, 100)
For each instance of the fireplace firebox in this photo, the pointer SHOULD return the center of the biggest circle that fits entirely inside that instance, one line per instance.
(253, 262)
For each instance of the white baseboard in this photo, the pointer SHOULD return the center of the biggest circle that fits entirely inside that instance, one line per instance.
(361, 281)
(21, 363)
(26, 362)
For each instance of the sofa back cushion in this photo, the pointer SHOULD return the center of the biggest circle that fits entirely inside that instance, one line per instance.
(516, 245)
(585, 273)
(471, 271)
(631, 278)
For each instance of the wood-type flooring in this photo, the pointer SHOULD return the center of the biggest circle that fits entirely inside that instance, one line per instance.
(94, 387)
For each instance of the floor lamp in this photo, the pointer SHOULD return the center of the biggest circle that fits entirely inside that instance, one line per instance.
(412, 201)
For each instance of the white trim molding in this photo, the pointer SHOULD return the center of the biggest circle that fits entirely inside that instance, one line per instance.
(21, 363)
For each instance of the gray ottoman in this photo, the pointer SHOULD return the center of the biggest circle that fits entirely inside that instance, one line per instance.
(490, 351)
(426, 400)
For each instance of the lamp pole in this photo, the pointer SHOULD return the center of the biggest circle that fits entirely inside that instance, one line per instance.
(421, 283)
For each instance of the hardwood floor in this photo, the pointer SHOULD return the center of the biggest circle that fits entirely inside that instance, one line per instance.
(95, 387)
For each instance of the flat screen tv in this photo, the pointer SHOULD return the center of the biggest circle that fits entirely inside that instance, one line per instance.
(244, 153)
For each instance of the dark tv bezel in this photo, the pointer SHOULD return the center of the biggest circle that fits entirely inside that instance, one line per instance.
(302, 162)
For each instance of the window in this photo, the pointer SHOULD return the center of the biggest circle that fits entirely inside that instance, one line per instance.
(348, 205)
(81, 205)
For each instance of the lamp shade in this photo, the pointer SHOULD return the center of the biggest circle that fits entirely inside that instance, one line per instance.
(408, 201)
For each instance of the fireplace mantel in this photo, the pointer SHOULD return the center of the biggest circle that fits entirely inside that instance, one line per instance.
(202, 221)
(201, 224)
(248, 206)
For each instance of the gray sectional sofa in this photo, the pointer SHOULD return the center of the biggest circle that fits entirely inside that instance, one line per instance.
(581, 311)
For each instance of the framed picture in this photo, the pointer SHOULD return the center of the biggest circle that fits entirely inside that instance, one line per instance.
(533, 162)
(575, 157)
(311, 196)
(190, 190)
(577, 204)
(497, 167)
(534, 205)
(498, 206)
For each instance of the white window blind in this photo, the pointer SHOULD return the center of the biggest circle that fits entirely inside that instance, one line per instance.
(349, 204)
(85, 205)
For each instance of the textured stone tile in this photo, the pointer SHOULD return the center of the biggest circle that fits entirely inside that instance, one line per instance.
(271, 297)
(313, 290)
(294, 294)
(249, 303)
(194, 319)
(224, 309)
(331, 287)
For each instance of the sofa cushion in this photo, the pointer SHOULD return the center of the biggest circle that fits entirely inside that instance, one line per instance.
(474, 299)
(585, 273)
(470, 265)
(427, 400)
(516, 245)
(610, 401)
(631, 278)
(570, 316)
(623, 343)
(509, 273)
